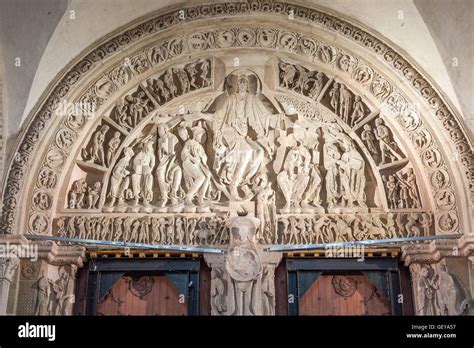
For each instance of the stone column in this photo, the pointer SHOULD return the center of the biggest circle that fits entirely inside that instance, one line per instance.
(243, 280)
(47, 285)
(8, 266)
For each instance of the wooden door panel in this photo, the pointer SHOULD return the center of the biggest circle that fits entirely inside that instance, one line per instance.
(343, 295)
(146, 295)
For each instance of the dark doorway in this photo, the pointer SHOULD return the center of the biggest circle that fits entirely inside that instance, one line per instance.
(140, 287)
(345, 287)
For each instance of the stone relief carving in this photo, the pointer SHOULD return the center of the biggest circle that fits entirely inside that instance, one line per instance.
(83, 196)
(439, 292)
(402, 190)
(188, 180)
(211, 230)
(56, 297)
(313, 229)
(343, 102)
(379, 48)
(162, 229)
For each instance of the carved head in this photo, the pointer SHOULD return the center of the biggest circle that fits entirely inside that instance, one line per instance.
(427, 271)
(299, 132)
(243, 83)
(183, 133)
(198, 133)
(128, 152)
(162, 128)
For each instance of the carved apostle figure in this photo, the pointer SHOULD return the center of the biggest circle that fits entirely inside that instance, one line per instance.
(77, 193)
(142, 178)
(97, 149)
(335, 97)
(266, 213)
(331, 160)
(120, 179)
(369, 138)
(294, 178)
(168, 171)
(410, 181)
(317, 86)
(93, 195)
(288, 74)
(114, 144)
(345, 103)
(168, 78)
(192, 72)
(205, 67)
(387, 149)
(197, 176)
(183, 79)
(358, 113)
(353, 175)
(240, 113)
(312, 194)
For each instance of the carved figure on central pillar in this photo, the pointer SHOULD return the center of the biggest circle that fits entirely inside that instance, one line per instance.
(244, 265)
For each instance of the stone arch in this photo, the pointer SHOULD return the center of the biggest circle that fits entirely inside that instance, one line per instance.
(91, 77)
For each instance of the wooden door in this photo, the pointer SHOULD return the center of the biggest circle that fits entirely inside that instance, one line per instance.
(343, 294)
(143, 295)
